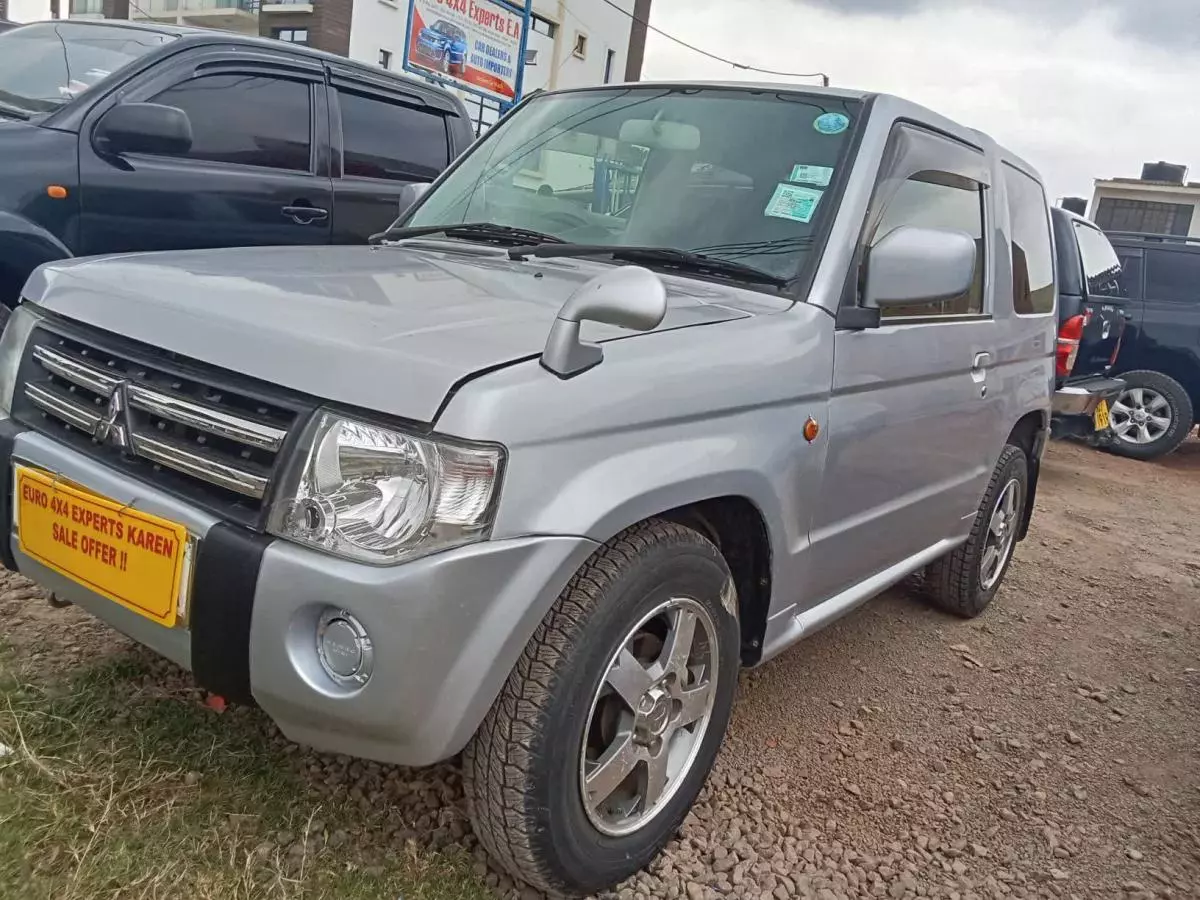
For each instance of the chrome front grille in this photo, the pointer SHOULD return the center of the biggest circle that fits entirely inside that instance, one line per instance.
(198, 431)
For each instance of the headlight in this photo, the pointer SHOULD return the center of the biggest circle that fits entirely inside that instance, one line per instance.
(12, 347)
(380, 496)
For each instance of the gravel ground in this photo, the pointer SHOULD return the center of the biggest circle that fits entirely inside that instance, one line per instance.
(1045, 749)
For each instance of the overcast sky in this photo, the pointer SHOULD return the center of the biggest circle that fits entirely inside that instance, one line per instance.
(1083, 89)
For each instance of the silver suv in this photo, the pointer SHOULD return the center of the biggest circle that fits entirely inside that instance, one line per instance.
(656, 381)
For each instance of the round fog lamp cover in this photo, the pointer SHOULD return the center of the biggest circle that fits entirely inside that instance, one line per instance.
(344, 648)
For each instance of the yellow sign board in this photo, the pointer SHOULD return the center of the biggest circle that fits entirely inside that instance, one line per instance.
(126, 555)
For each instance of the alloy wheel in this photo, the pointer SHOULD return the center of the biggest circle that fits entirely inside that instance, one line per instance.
(648, 717)
(1001, 535)
(1141, 415)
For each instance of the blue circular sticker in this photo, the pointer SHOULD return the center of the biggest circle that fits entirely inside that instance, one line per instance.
(831, 123)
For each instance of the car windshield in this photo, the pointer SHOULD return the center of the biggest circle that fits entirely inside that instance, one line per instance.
(738, 174)
(46, 65)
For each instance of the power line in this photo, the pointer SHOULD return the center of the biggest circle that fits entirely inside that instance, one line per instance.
(729, 62)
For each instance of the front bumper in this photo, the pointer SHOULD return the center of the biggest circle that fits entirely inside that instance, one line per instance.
(445, 630)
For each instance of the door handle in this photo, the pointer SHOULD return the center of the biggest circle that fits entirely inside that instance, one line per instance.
(979, 371)
(305, 215)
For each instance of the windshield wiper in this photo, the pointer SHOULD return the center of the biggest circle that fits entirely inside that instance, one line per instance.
(14, 112)
(488, 231)
(664, 256)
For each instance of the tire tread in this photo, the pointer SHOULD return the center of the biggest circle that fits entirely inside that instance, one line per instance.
(498, 763)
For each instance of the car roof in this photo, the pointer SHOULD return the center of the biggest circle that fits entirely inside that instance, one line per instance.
(1178, 242)
(201, 36)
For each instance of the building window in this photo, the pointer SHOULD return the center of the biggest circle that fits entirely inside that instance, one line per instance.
(608, 65)
(544, 26)
(385, 58)
(291, 35)
(580, 48)
(1143, 216)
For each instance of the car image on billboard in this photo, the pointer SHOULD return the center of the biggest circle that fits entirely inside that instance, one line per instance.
(477, 45)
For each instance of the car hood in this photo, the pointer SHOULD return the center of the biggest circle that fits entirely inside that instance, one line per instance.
(390, 329)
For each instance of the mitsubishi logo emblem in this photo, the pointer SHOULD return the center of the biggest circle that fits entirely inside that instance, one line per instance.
(113, 428)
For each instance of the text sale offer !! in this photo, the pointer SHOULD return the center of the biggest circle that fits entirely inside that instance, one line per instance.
(474, 43)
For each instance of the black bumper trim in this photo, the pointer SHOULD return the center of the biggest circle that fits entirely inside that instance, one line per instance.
(8, 437)
(222, 606)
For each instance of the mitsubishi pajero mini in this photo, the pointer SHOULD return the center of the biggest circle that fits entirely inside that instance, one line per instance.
(656, 381)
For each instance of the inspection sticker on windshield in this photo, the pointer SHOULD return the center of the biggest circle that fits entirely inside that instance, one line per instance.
(790, 201)
(806, 174)
(831, 123)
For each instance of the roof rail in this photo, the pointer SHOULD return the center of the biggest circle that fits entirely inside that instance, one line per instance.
(1141, 236)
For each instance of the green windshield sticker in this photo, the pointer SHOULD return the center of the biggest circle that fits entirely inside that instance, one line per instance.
(790, 201)
(806, 174)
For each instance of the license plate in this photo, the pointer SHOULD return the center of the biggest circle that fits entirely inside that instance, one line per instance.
(1100, 416)
(130, 557)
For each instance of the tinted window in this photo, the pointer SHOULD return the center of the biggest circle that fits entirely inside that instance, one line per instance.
(1101, 270)
(387, 140)
(1173, 276)
(246, 119)
(1032, 259)
(1143, 216)
(1131, 275)
(943, 201)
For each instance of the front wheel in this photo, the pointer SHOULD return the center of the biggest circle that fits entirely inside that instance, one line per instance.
(608, 726)
(964, 581)
(1151, 417)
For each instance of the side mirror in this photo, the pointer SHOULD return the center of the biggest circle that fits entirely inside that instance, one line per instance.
(409, 195)
(916, 266)
(628, 296)
(144, 128)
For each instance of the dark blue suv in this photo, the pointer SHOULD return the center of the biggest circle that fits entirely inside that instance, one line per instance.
(118, 137)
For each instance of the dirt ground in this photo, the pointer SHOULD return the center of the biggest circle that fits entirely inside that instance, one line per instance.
(1049, 748)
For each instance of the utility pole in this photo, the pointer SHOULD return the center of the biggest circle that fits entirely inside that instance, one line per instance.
(3, 9)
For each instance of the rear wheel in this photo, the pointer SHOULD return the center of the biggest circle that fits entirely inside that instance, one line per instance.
(1151, 417)
(964, 581)
(606, 729)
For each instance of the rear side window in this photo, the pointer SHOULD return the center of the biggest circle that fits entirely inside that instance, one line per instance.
(251, 120)
(1101, 269)
(945, 201)
(1173, 276)
(1131, 275)
(1032, 249)
(391, 141)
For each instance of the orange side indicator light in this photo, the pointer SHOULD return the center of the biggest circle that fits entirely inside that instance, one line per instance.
(811, 429)
(56, 192)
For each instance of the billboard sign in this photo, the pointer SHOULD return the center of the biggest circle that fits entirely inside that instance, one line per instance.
(475, 45)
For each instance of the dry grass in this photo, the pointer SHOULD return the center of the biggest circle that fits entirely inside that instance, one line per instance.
(109, 789)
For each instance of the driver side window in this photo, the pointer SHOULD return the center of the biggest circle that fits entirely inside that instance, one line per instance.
(932, 199)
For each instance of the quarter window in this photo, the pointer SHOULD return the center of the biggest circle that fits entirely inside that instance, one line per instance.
(1101, 268)
(391, 141)
(1032, 249)
(250, 120)
(943, 201)
(1173, 276)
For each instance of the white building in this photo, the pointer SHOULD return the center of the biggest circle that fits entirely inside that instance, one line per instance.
(1162, 201)
(584, 43)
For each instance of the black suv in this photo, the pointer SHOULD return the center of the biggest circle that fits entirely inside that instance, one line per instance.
(118, 136)
(1160, 353)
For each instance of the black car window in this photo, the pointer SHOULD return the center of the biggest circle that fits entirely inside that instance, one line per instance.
(390, 140)
(1131, 274)
(1101, 269)
(1032, 249)
(1173, 276)
(251, 120)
